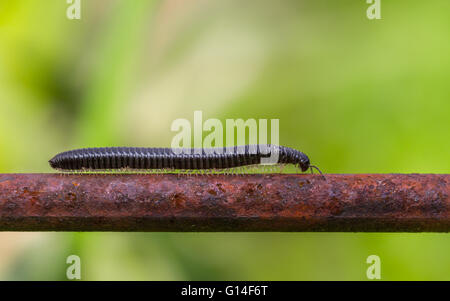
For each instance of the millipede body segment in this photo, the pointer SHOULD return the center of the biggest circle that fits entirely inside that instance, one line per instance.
(136, 158)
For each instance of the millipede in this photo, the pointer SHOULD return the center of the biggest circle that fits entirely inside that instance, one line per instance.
(184, 159)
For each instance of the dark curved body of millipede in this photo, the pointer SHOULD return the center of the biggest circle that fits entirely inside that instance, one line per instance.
(111, 158)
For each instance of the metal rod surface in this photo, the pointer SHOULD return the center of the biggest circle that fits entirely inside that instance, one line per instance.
(268, 202)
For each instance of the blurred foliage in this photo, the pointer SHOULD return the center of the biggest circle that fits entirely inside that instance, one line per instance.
(356, 95)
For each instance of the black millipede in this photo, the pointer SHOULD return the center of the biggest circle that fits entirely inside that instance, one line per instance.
(148, 159)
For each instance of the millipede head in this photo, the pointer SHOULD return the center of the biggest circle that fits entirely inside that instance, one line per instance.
(54, 163)
(304, 163)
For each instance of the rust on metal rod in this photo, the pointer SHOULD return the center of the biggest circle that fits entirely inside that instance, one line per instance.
(270, 202)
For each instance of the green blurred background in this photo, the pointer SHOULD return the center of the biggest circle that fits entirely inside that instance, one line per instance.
(357, 95)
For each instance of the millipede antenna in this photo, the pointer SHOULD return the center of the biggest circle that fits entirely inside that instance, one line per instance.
(317, 168)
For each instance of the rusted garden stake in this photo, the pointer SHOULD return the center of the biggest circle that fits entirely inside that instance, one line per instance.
(124, 202)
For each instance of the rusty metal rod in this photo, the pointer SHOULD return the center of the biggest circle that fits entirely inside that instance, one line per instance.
(132, 202)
